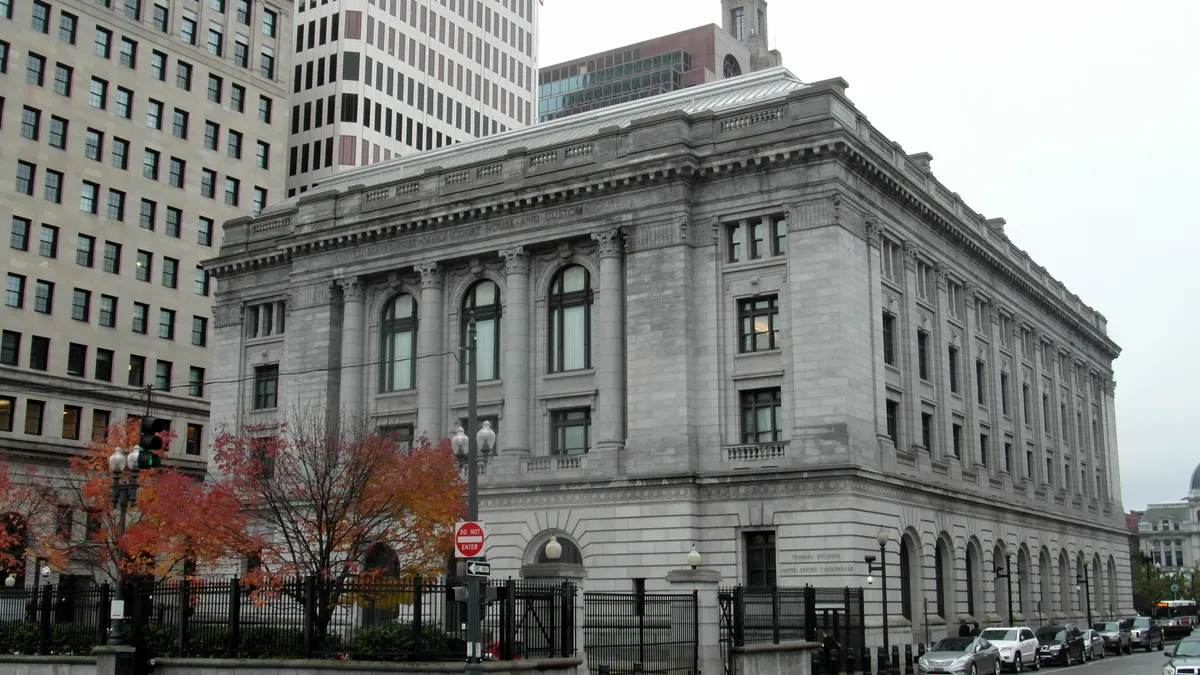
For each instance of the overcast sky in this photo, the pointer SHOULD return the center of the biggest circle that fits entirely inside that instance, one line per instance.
(1078, 122)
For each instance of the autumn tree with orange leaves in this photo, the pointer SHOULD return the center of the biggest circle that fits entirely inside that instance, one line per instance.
(28, 520)
(178, 522)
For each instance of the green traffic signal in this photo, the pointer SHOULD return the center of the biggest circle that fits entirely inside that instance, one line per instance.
(149, 460)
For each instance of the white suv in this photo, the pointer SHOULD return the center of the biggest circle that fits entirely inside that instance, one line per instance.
(1018, 647)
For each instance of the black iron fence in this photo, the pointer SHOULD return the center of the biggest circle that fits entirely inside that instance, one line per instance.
(391, 620)
(641, 633)
(831, 616)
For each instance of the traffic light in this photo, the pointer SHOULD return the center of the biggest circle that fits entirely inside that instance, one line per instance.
(151, 443)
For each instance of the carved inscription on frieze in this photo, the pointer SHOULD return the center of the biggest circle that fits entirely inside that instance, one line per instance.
(474, 232)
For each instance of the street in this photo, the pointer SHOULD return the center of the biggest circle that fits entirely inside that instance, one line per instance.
(1138, 663)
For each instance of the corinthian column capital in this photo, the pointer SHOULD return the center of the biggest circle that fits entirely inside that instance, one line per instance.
(431, 275)
(609, 242)
(353, 289)
(516, 260)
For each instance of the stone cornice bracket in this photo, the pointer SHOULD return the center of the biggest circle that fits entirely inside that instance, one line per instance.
(716, 229)
(911, 254)
(431, 275)
(683, 228)
(289, 299)
(970, 290)
(942, 277)
(609, 243)
(516, 260)
(874, 230)
(353, 289)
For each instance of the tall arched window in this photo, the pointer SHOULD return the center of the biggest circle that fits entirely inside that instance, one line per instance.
(483, 302)
(972, 578)
(906, 590)
(398, 333)
(571, 320)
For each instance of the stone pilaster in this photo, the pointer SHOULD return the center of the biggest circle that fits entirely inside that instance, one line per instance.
(910, 322)
(992, 371)
(1040, 423)
(516, 349)
(941, 360)
(970, 388)
(1108, 431)
(430, 346)
(609, 359)
(353, 347)
(1016, 392)
(874, 244)
(1056, 413)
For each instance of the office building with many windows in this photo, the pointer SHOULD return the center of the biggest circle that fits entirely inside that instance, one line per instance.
(386, 78)
(661, 65)
(736, 316)
(131, 130)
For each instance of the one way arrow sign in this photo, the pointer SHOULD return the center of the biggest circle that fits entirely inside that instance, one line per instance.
(478, 569)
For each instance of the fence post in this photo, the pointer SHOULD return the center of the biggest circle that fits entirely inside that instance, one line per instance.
(696, 630)
(775, 614)
(102, 612)
(846, 640)
(739, 618)
(568, 619)
(895, 662)
(44, 619)
(235, 617)
(862, 627)
(908, 659)
(508, 621)
(418, 629)
(810, 613)
(310, 608)
(184, 603)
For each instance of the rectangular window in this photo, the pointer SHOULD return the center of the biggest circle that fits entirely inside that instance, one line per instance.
(1008, 457)
(39, 353)
(26, 175)
(199, 331)
(40, 20)
(116, 205)
(204, 233)
(158, 64)
(162, 375)
(48, 244)
(1046, 413)
(956, 439)
(233, 190)
(983, 449)
(758, 318)
(128, 54)
(237, 98)
(980, 386)
(31, 123)
(89, 197)
(570, 431)
(179, 124)
(137, 370)
(52, 190)
(187, 30)
(761, 421)
(154, 114)
(100, 421)
(260, 199)
(104, 365)
(35, 69)
(161, 19)
(266, 387)
(262, 158)
(141, 315)
(150, 163)
(166, 324)
(183, 75)
(98, 93)
(889, 339)
(216, 42)
(892, 410)
(19, 236)
(760, 559)
(212, 134)
(119, 154)
(1004, 393)
(10, 348)
(927, 431)
(148, 215)
(85, 248)
(208, 180)
(81, 305)
(200, 285)
(215, 88)
(196, 381)
(953, 351)
(63, 75)
(193, 439)
(170, 273)
(112, 257)
(14, 291)
(174, 222)
(176, 171)
(234, 144)
(8, 410)
(923, 355)
(108, 311)
(43, 297)
(77, 360)
(34, 413)
(264, 109)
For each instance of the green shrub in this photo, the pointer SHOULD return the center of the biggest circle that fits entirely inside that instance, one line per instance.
(394, 641)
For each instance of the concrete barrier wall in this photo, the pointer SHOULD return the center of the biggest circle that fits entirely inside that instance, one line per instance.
(83, 665)
(48, 665)
(789, 658)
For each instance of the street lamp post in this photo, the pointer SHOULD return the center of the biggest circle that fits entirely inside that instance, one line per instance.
(1006, 574)
(882, 539)
(468, 449)
(124, 468)
(1082, 578)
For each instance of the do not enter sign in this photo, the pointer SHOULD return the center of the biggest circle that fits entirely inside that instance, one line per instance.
(468, 539)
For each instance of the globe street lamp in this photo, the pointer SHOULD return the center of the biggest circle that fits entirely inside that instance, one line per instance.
(124, 495)
(553, 549)
(693, 558)
(881, 538)
(1006, 574)
(467, 449)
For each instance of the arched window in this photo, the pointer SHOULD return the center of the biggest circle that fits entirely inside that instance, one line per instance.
(906, 591)
(398, 333)
(571, 320)
(972, 578)
(382, 560)
(483, 302)
(570, 554)
(731, 67)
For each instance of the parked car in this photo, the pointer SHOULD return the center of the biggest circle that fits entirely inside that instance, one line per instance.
(1116, 635)
(1093, 644)
(1018, 647)
(961, 656)
(1146, 633)
(1060, 644)
(1183, 657)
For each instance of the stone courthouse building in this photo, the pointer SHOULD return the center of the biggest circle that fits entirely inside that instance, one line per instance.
(736, 316)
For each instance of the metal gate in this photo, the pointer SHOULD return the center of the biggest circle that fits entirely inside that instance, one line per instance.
(641, 633)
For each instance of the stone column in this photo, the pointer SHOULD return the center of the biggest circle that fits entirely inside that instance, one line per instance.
(609, 330)
(910, 350)
(517, 347)
(704, 583)
(353, 347)
(1039, 415)
(992, 371)
(429, 355)
(1056, 427)
(1017, 397)
(1108, 431)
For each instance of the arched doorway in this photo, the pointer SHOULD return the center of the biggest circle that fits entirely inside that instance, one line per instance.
(1111, 578)
(974, 570)
(943, 578)
(1045, 583)
(381, 600)
(1024, 590)
(1065, 582)
(1000, 592)
(1097, 580)
(910, 575)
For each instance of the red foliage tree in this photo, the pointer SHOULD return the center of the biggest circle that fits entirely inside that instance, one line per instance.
(323, 494)
(28, 520)
(178, 522)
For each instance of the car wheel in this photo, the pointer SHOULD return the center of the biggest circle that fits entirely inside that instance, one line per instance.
(1037, 662)
(1161, 643)
(972, 669)
(1104, 653)
(998, 666)
(1018, 665)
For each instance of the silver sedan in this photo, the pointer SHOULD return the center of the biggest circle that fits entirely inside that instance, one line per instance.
(961, 656)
